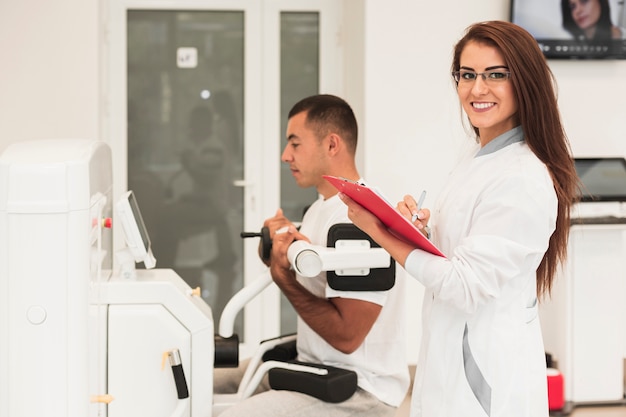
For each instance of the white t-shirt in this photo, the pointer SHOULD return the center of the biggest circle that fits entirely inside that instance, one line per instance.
(380, 362)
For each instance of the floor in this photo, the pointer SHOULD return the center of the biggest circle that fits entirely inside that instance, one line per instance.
(612, 411)
(579, 411)
(586, 411)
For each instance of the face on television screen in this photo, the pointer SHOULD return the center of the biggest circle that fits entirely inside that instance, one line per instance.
(579, 29)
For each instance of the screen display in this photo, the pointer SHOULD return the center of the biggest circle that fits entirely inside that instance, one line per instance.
(574, 29)
(603, 179)
(132, 201)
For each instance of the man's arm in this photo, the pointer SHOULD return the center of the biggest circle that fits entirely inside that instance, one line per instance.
(341, 322)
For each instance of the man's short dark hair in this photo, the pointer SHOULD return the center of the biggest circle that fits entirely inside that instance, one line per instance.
(326, 114)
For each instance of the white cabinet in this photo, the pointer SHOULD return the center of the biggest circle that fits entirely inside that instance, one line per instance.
(584, 322)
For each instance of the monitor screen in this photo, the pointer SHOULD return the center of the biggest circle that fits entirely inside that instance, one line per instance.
(603, 179)
(574, 29)
(135, 232)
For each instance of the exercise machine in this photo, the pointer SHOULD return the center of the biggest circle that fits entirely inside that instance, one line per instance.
(85, 333)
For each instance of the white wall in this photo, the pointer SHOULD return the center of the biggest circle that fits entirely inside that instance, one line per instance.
(409, 115)
(49, 70)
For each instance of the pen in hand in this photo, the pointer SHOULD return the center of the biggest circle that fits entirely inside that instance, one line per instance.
(419, 206)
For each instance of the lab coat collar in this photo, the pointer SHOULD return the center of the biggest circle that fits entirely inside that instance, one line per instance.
(508, 138)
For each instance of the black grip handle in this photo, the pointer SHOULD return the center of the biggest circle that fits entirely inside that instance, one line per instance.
(180, 381)
(266, 241)
(249, 234)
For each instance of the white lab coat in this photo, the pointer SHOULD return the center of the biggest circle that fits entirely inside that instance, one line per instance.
(482, 351)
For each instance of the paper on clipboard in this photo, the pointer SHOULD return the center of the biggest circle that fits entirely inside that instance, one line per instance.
(377, 205)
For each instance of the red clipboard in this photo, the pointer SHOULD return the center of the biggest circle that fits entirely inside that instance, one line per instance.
(392, 218)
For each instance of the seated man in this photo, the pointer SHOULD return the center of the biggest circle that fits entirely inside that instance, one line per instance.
(360, 331)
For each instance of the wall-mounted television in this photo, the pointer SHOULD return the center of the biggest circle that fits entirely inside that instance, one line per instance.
(574, 29)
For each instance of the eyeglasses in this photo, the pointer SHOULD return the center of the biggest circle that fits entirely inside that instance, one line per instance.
(490, 77)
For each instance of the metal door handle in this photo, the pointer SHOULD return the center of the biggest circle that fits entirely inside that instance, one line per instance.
(242, 183)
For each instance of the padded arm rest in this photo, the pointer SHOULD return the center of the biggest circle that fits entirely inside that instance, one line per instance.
(336, 386)
(379, 279)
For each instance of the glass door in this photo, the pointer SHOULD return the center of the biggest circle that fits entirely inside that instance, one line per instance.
(185, 143)
(307, 59)
(198, 100)
(299, 77)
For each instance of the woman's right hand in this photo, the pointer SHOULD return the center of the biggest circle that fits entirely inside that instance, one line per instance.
(408, 208)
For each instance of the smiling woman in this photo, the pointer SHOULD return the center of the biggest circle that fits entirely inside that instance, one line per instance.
(482, 352)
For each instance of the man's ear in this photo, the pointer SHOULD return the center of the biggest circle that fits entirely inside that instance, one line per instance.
(334, 143)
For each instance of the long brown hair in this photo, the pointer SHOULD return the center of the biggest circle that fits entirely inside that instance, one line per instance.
(535, 91)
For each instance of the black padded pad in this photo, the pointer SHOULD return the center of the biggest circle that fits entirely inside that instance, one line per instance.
(337, 386)
(379, 279)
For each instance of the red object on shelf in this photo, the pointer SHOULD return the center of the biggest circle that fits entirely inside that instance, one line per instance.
(556, 393)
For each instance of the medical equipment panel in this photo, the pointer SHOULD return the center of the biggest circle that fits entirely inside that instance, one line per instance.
(54, 194)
